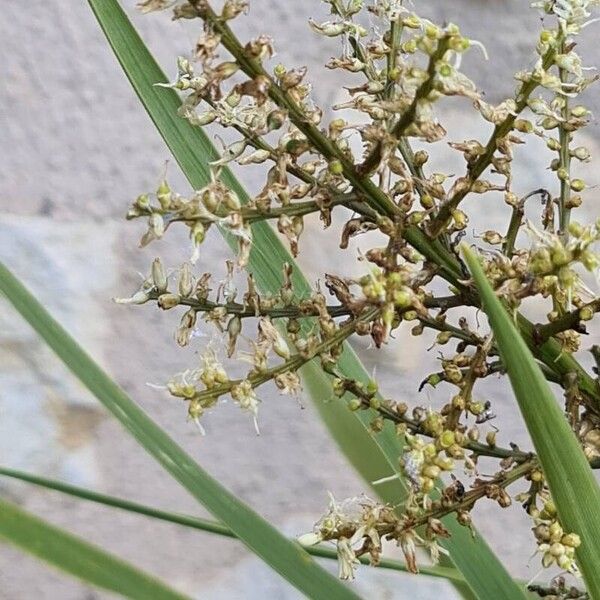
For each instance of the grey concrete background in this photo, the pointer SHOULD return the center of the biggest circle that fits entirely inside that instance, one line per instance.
(76, 149)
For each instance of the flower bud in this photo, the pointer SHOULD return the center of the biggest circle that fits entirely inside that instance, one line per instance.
(185, 280)
(139, 297)
(431, 471)
(492, 237)
(549, 123)
(163, 194)
(577, 185)
(198, 232)
(159, 277)
(556, 531)
(168, 301)
(463, 517)
(142, 202)
(420, 158)
(580, 111)
(411, 21)
(427, 201)
(335, 167)
(354, 404)
(329, 28)
(446, 439)
(226, 69)
(443, 337)
(571, 539)
(523, 125)
(256, 157)
(581, 153)
(565, 563)
(445, 463)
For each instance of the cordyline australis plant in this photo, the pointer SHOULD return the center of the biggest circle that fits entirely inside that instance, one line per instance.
(364, 172)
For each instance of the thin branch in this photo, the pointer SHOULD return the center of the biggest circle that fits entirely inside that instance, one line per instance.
(475, 170)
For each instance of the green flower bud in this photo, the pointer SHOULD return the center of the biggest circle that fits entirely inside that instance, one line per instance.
(561, 256)
(571, 539)
(354, 404)
(431, 471)
(427, 485)
(426, 201)
(372, 387)
(476, 408)
(445, 463)
(577, 185)
(575, 229)
(411, 21)
(409, 46)
(142, 202)
(580, 111)
(446, 439)
(198, 233)
(336, 167)
(163, 194)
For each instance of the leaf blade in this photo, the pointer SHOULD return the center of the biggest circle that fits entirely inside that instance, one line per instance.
(77, 557)
(568, 473)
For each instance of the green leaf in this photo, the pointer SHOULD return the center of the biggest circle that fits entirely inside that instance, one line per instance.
(196, 522)
(374, 456)
(566, 469)
(286, 557)
(79, 558)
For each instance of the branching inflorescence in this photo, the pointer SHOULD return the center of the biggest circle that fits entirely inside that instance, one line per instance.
(311, 168)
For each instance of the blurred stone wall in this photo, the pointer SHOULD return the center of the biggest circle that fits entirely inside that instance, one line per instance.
(77, 148)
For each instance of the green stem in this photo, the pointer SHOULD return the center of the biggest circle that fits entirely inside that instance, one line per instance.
(252, 215)
(570, 320)
(564, 159)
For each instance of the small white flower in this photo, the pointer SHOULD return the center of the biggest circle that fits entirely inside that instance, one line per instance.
(347, 560)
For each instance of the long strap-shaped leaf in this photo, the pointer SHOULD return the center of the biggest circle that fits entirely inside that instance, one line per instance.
(79, 558)
(567, 471)
(286, 557)
(374, 457)
(199, 523)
